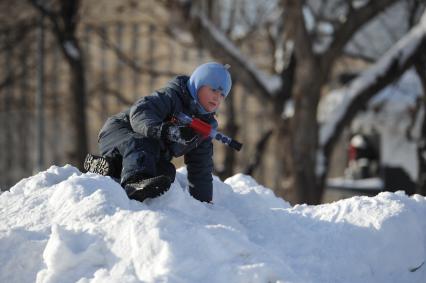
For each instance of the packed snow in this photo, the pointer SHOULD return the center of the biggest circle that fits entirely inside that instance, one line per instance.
(65, 226)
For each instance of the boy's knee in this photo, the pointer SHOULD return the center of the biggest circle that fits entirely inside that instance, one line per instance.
(140, 157)
(136, 164)
(137, 143)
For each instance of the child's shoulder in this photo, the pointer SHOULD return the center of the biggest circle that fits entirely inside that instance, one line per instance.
(176, 87)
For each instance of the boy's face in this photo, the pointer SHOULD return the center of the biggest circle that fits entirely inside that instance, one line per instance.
(210, 99)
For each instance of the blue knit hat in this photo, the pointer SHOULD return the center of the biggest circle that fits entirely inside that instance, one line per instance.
(211, 74)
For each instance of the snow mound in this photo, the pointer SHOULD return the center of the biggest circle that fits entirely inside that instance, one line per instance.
(64, 226)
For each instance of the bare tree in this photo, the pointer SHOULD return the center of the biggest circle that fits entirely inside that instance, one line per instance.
(406, 53)
(303, 75)
(63, 17)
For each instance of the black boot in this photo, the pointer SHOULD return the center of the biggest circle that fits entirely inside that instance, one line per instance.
(147, 188)
(99, 165)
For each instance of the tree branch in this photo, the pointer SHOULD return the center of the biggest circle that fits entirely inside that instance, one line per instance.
(391, 66)
(295, 29)
(135, 66)
(52, 16)
(210, 37)
(260, 148)
(356, 18)
(64, 24)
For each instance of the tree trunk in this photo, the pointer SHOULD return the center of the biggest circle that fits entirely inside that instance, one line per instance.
(421, 155)
(231, 129)
(421, 147)
(77, 113)
(64, 22)
(304, 137)
(285, 182)
(303, 152)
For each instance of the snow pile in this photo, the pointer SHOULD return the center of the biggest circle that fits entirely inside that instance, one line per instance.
(64, 226)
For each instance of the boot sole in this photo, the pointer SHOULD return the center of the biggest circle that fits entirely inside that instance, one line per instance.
(141, 191)
(96, 164)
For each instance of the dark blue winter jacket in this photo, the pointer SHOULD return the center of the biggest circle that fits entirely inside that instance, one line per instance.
(147, 115)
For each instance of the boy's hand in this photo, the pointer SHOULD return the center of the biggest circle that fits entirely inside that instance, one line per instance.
(175, 133)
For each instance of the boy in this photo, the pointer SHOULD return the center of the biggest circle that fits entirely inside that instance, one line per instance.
(138, 144)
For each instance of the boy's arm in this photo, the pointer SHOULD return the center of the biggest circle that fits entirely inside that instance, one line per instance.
(199, 162)
(147, 115)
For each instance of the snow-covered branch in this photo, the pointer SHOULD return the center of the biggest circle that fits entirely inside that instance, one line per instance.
(241, 63)
(296, 30)
(220, 46)
(391, 66)
(354, 21)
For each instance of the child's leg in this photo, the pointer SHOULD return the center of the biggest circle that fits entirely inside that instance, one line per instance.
(165, 167)
(140, 156)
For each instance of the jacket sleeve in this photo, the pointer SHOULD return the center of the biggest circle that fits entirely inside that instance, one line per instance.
(199, 163)
(147, 114)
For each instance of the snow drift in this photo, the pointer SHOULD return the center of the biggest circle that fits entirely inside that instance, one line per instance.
(64, 226)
